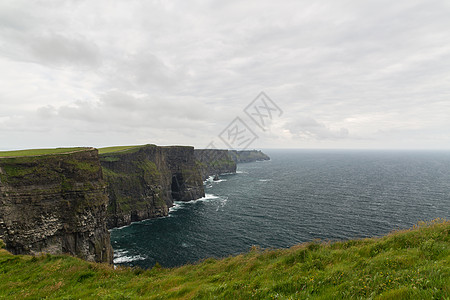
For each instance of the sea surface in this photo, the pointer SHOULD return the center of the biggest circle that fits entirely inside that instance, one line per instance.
(297, 196)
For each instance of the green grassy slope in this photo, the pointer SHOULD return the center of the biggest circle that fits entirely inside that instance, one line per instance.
(117, 149)
(34, 152)
(409, 264)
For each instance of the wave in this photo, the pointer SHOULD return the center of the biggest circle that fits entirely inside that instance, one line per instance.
(176, 206)
(264, 180)
(206, 198)
(127, 259)
(120, 257)
(220, 180)
(209, 179)
(220, 200)
(228, 173)
(116, 228)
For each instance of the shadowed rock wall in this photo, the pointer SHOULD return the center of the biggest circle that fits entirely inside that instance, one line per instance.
(55, 204)
(143, 182)
(214, 162)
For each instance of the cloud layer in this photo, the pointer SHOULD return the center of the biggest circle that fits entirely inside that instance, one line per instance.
(347, 74)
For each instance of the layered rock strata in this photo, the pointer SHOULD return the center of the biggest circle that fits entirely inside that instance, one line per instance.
(143, 182)
(55, 204)
(212, 162)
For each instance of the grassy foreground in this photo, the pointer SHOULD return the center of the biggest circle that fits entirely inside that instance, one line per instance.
(409, 264)
(34, 152)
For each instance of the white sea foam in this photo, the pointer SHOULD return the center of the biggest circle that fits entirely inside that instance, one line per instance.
(241, 172)
(207, 197)
(176, 206)
(220, 180)
(121, 256)
(210, 196)
(119, 252)
(118, 228)
(264, 180)
(209, 179)
(222, 203)
(127, 259)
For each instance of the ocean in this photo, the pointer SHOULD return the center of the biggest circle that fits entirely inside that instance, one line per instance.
(297, 196)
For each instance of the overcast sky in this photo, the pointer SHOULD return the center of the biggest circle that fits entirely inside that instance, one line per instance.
(345, 74)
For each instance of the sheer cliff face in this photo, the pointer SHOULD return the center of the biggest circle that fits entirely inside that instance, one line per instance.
(245, 156)
(144, 181)
(214, 161)
(55, 204)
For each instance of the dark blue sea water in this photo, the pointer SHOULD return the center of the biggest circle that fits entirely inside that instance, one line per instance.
(297, 196)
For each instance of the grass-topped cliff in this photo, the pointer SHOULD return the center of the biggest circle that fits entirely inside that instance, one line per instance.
(408, 264)
(54, 201)
(214, 162)
(245, 156)
(36, 152)
(143, 181)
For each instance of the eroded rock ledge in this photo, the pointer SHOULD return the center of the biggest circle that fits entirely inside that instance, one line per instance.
(64, 203)
(144, 181)
(55, 204)
(214, 162)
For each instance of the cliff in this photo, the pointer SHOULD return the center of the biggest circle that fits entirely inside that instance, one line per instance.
(56, 200)
(144, 181)
(55, 203)
(213, 162)
(248, 156)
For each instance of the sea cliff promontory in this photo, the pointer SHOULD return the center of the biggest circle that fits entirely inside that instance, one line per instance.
(64, 200)
(246, 156)
(54, 203)
(219, 161)
(144, 181)
(214, 162)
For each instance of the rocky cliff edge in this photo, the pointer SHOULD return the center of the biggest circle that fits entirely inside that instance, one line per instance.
(55, 204)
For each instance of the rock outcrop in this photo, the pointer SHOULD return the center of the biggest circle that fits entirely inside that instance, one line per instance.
(64, 203)
(246, 156)
(214, 162)
(144, 181)
(55, 204)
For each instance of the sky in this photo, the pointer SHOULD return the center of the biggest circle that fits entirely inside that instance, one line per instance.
(334, 74)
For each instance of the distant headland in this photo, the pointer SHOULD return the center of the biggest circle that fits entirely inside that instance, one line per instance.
(64, 200)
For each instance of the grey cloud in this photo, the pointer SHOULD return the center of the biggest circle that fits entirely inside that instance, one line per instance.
(344, 72)
(306, 127)
(118, 111)
(142, 71)
(56, 49)
(39, 35)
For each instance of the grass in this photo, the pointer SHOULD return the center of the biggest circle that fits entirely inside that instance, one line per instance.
(117, 149)
(35, 152)
(408, 264)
